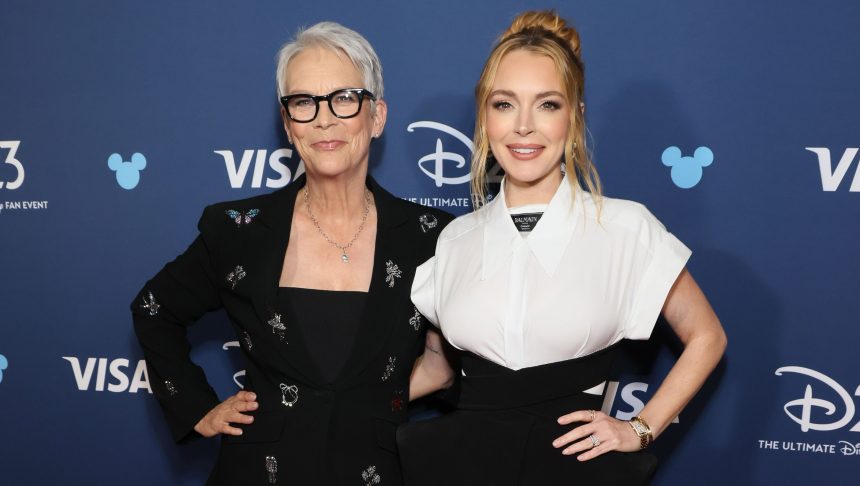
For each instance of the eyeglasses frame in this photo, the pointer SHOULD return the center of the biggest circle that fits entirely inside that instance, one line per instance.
(362, 94)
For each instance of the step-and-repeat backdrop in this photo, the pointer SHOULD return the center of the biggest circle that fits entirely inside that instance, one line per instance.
(736, 123)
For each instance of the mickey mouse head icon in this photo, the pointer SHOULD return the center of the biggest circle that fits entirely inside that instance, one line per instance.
(4, 363)
(127, 173)
(687, 171)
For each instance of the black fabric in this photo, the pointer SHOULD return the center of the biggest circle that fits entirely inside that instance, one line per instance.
(526, 222)
(502, 433)
(334, 432)
(490, 386)
(328, 322)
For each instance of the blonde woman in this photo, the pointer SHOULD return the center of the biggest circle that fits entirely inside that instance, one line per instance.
(536, 288)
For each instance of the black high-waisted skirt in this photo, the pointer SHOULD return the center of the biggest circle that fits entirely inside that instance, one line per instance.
(502, 431)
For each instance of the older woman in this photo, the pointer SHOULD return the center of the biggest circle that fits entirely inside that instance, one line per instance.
(315, 279)
(537, 287)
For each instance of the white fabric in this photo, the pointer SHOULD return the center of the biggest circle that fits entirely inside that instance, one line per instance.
(573, 286)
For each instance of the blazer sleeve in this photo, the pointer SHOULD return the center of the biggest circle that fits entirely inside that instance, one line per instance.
(182, 292)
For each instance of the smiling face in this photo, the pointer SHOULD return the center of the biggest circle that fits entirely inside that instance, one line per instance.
(331, 146)
(527, 121)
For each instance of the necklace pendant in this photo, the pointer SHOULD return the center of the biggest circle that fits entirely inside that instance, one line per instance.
(344, 258)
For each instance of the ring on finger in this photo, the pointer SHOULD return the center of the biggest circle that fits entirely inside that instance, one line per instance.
(595, 441)
(591, 414)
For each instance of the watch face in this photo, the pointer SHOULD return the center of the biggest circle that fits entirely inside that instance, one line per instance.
(642, 430)
(639, 427)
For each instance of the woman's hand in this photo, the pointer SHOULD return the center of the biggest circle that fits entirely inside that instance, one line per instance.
(600, 434)
(218, 420)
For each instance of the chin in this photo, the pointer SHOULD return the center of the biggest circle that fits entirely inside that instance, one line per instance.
(530, 175)
(330, 167)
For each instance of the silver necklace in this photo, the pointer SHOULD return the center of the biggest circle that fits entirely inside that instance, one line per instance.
(343, 256)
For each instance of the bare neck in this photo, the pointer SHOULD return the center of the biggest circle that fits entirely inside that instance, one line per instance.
(341, 196)
(519, 193)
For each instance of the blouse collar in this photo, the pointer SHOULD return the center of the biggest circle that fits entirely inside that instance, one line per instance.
(547, 241)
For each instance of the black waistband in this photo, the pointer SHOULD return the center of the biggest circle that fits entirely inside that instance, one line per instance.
(489, 386)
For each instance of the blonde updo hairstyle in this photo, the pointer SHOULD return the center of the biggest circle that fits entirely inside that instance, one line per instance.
(544, 33)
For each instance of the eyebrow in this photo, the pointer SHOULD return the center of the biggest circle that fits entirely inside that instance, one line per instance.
(511, 94)
(306, 92)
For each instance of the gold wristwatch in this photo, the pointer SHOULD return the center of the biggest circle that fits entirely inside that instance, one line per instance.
(642, 430)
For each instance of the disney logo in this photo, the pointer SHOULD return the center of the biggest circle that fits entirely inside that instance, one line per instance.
(849, 449)
(808, 402)
(437, 159)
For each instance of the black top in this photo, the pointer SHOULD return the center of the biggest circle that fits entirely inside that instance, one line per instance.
(328, 322)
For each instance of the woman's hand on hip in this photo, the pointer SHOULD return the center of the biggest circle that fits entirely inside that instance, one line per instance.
(599, 434)
(218, 420)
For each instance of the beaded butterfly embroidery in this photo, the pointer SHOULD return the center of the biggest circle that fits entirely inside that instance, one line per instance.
(240, 217)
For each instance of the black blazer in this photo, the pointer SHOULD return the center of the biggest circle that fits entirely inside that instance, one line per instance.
(305, 431)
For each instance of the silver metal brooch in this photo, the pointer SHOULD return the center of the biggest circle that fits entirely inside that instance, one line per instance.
(415, 321)
(272, 469)
(237, 274)
(392, 271)
(427, 221)
(150, 304)
(278, 327)
(389, 368)
(289, 390)
(370, 477)
(171, 388)
(246, 338)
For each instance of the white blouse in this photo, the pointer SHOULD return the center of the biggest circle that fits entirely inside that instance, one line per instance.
(572, 286)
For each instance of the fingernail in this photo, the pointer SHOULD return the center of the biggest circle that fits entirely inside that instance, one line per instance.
(255, 405)
(240, 432)
(253, 396)
(555, 443)
(566, 452)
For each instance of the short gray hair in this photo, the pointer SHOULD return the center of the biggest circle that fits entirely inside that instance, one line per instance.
(333, 36)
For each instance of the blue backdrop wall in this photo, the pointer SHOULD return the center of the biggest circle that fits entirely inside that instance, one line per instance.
(770, 88)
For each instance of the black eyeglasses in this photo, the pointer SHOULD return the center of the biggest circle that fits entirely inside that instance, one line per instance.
(343, 103)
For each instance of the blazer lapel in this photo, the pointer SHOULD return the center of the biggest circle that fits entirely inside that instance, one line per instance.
(389, 283)
(265, 253)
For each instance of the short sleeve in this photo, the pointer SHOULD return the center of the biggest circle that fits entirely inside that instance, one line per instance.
(423, 290)
(665, 257)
